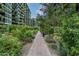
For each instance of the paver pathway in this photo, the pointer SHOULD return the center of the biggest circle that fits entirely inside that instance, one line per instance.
(39, 47)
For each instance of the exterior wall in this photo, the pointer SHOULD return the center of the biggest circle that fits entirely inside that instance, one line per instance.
(8, 13)
(23, 13)
(16, 13)
(5, 13)
(28, 15)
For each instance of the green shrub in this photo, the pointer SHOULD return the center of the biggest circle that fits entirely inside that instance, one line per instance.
(0, 35)
(70, 36)
(27, 36)
(23, 33)
(16, 33)
(49, 38)
(12, 27)
(51, 30)
(3, 28)
(9, 45)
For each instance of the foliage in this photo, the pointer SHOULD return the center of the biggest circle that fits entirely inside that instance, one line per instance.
(9, 45)
(24, 33)
(11, 41)
(70, 36)
(62, 20)
(3, 28)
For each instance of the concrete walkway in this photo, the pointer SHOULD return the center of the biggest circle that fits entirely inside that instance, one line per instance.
(39, 47)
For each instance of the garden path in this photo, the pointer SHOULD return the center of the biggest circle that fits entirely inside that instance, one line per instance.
(39, 47)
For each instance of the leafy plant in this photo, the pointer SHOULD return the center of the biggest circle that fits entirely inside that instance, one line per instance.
(70, 36)
(9, 45)
(23, 33)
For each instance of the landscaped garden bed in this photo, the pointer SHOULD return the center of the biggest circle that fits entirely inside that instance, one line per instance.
(13, 39)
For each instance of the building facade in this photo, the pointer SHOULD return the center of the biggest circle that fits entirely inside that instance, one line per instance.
(5, 13)
(14, 13)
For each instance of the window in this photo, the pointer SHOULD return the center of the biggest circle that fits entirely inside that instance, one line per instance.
(77, 7)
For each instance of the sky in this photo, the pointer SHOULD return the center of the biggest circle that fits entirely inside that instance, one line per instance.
(35, 9)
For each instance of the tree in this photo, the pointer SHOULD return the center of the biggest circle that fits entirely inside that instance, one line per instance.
(65, 17)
